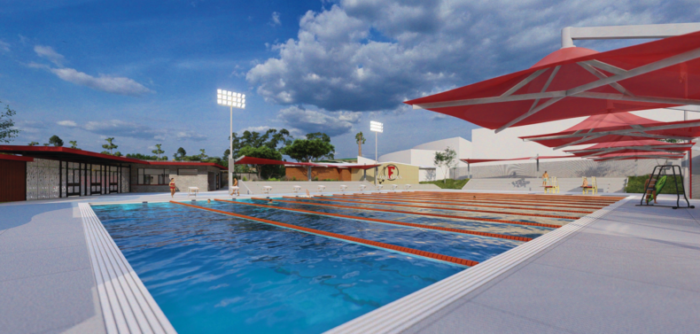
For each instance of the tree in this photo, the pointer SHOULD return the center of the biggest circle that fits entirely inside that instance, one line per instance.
(271, 138)
(56, 141)
(203, 155)
(7, 130)
(158, 151)
(74, 144)
(316, 146)
(445, 160)
(33, 143)
(360, 139)
(117, 154)
(110, 145)
(265, 152)
(180, 154)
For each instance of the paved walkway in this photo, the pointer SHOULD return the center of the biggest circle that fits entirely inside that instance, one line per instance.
(635, 270)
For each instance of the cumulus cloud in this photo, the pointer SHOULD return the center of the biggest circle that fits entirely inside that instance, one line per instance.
(4, 46)
(190, 135)
(50, 54)
(275, 20)
(105, 83)
(119, 128)
(308, 121)
(366, 55)
(68, 123)
(261, 128)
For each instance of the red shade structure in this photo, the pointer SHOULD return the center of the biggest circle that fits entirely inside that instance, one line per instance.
(631, 146)
(618, 127)
(638, 155)
(575, 82)
(260, 161)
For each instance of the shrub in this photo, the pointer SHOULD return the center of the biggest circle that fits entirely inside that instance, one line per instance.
(635, 184)
(245, 178)
(315, 178)
(294, 178)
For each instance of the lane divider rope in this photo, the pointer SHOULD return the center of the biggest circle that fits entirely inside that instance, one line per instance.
(499, 202)
(549, 198)
(412, 213)
(391, 222)
(375, 244)
(451, 209)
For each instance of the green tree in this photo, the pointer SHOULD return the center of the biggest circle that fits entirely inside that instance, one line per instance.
(158, 151)
(265, 152)
(360, 139)
(180, 154)
(316, 146)
(445, 160)
(203, 154)
(117, 154)
(7, 130)
(56, 141)
(74, 144)
(271, 138)
(33, 143)
(110, 145)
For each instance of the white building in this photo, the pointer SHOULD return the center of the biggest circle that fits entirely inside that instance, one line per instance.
(424, 155)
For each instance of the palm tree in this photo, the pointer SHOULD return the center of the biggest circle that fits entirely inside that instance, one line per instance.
(360, 139)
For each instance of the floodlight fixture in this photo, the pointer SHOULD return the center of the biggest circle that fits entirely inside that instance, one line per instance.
(231, 100)
(376, 126)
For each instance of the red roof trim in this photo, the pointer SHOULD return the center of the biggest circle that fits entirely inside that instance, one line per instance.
(15, 158)
(16, 148)
(182, 163)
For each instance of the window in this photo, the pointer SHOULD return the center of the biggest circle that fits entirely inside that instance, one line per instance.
(153, 176)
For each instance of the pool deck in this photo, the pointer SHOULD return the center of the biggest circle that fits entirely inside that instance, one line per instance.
(631, 270)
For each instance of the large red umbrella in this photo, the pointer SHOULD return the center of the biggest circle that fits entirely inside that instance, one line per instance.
(631, 146)
(574, 82)
(617, 127)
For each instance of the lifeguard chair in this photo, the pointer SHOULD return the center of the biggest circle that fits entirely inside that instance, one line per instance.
(552, 185)
(592, 186)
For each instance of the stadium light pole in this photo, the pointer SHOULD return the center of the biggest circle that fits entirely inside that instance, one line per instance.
(231, 100)
(376, 127)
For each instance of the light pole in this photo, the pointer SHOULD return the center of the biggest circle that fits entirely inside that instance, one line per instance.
(232, 100)
(376, 127)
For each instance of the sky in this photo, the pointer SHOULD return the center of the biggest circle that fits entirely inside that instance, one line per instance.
(146, 72)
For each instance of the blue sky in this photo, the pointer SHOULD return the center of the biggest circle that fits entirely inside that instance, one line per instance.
(146, 72)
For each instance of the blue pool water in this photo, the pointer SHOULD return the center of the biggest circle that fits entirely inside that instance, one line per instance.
(219, 274)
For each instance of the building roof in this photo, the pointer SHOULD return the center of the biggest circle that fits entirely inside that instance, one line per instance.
(76, 155)
(15, 157)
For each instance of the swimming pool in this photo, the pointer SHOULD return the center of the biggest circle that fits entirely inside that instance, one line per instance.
(213, 273)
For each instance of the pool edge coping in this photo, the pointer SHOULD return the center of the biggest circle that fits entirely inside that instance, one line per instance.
(126, 304)
(409, 310)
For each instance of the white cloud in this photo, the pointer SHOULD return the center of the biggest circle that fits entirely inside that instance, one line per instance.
(275, 20)
(118, 128)
(366, 55)
(105, 83)
(4, 46)
(67, 123)
(261, 128)
(190, 135)
(308, 121)
(50, 54)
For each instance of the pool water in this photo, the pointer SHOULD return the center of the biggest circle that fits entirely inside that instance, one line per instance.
(219, 274)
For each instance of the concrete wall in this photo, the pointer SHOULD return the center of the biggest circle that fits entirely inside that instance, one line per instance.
(320, 173)
(408, 174)
(182, 182)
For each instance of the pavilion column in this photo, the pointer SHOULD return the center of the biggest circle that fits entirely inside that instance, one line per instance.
(308, 172)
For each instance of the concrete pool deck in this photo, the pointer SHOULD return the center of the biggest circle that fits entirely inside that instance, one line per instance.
(631, 270)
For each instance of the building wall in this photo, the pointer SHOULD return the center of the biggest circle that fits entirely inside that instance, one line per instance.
(42, 179)
(182, 182)
(424, 155)
(408, 174)
(12, 180)
(320, 173)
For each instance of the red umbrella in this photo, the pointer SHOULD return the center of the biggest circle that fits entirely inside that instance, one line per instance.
(617, 127)
(575, 82)
(631, 146)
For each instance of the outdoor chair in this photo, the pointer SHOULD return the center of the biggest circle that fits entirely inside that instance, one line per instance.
(407, 186)
(393, 187)
(297, 189)
(552, 185)
(192, 191)
(592, 187)
(321, 188)
(267, 189)
(362, 188)
(342, 188)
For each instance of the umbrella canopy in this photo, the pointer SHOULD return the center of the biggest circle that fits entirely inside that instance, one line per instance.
(575, 82)
(631, 146)
(617, 127)
(476, 161)
(638, 155)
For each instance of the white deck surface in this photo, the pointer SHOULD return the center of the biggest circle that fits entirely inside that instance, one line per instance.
(635, 270)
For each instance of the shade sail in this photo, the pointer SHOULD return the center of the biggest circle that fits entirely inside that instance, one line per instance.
(638, 155)
(260, 161)
(618, 127)
(576, 82)
(476, 161)
(631, 146)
